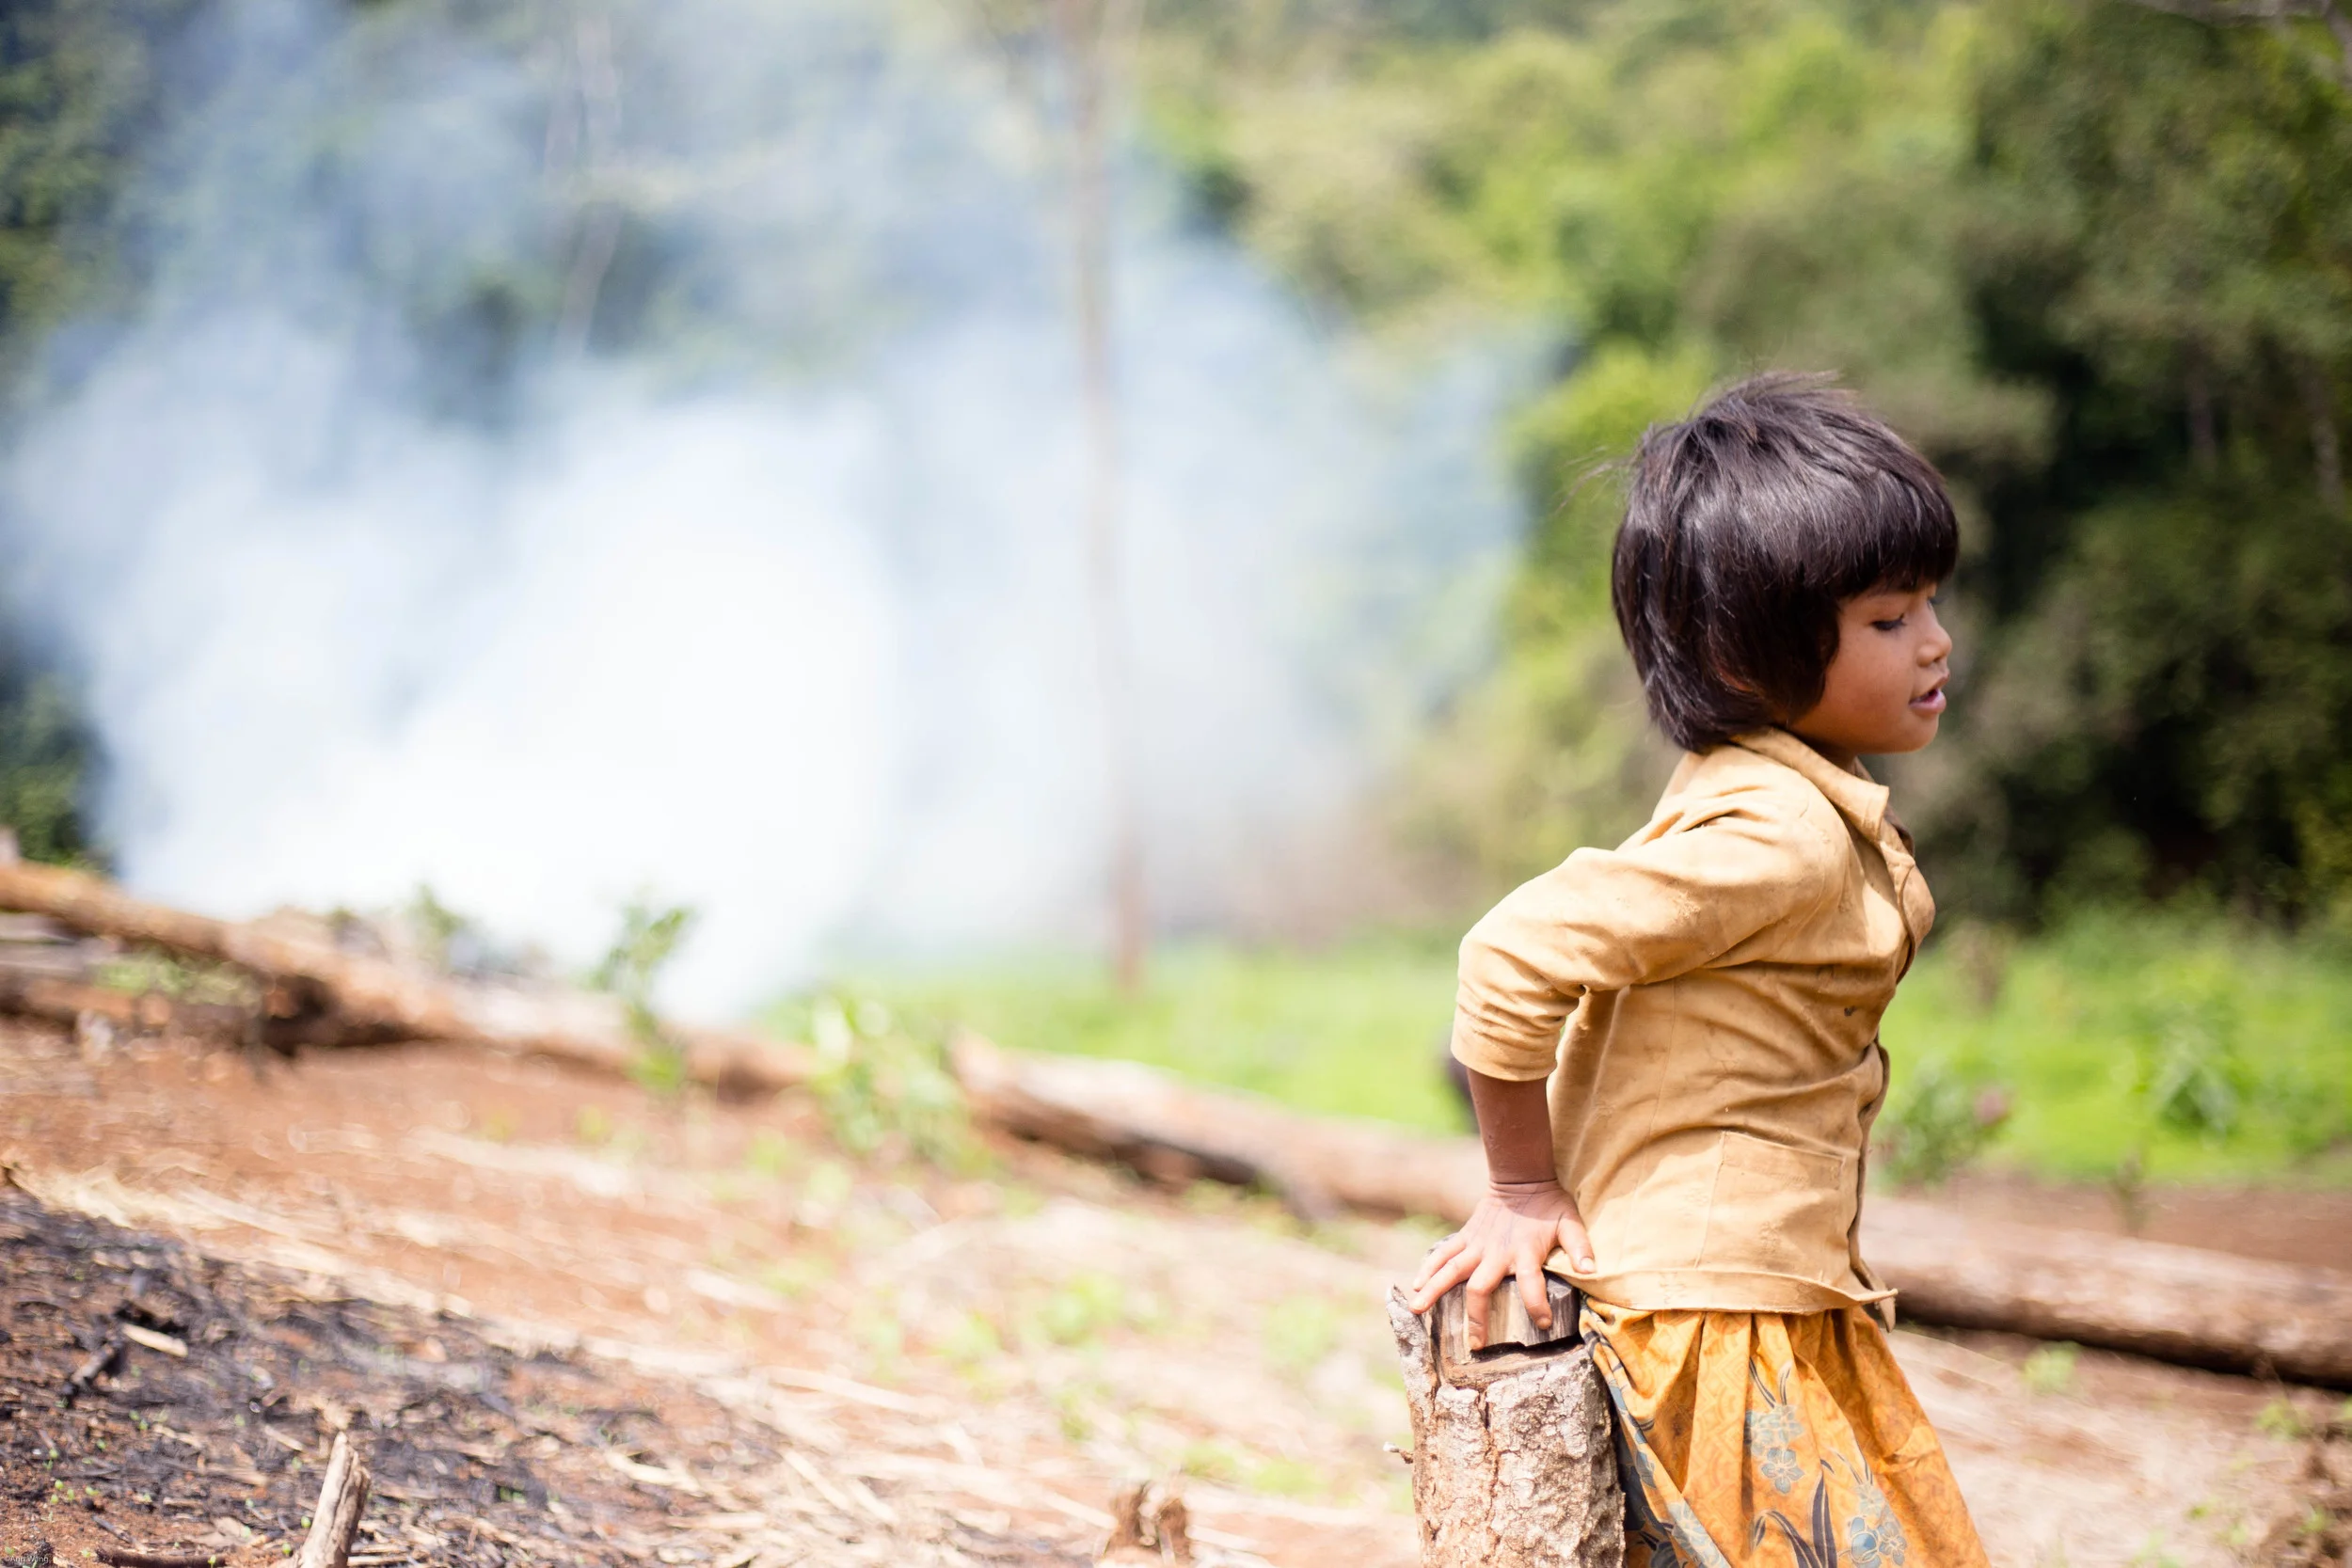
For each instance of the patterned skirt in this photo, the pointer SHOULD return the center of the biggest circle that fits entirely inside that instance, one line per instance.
(1787, 1439)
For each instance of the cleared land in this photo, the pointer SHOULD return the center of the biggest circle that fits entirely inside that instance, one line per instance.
(985, 1356)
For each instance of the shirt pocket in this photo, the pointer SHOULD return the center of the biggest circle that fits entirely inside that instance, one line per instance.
(1779, 1209)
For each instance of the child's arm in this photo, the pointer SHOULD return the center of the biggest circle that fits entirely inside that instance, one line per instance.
(1524, 1214)
(1604, 921)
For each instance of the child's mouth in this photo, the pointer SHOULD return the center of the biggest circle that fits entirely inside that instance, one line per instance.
(1931, 701)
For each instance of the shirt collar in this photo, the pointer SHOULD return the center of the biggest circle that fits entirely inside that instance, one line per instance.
(1859, 799)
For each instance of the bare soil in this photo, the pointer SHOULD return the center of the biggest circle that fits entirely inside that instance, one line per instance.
(577, 1321)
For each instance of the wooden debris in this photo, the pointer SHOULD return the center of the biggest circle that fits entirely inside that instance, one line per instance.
(342, 1497)
(1162, 1126)
(2181, 1304)
(1513, 1464)
(119, 1556)
(319, 993)
(2188, 1304)
(1150, 1525)
(2172, 1302)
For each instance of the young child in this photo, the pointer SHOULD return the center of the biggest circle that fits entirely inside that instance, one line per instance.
(1704, 1003)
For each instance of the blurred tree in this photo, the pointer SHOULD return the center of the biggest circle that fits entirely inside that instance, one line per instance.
(2091, 257)
(2164, 240)
(78, 80)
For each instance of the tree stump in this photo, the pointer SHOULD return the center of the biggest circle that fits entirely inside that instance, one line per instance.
(1512, 1461)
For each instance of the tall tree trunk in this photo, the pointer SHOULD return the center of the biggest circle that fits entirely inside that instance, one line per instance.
(2204, 446)
(1082, 31)
(2319, 401)
(600, 216)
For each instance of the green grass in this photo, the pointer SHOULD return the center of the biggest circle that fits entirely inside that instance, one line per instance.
(1355, 1029)
(2147, 1046)
(2170, 1047)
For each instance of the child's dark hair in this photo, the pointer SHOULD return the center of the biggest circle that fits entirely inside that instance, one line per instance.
(1745, 525)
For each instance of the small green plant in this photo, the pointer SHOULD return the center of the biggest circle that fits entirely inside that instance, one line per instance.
(877, 1081)
(971, 1340)
(1300, 1332)
(650, 938)
(2128, 1184)
(146, 969)
(2279, 1419)
(1940, 1122)
(796, 1276)
(1211, 1461)
(770, 1155)
(436, 925)
(2192, 1075)
(1287, 1478)
(2050, 1369)
(1079, 1310)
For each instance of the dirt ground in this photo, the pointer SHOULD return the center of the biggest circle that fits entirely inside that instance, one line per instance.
(597, 1324)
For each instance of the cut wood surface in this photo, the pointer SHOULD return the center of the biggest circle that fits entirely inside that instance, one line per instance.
(1516, 1470)
(370, 995)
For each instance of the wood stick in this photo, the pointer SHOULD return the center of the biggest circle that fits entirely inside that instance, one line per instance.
(335, 1522)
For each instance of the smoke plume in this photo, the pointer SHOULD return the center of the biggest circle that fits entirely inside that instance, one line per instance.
(569, 451)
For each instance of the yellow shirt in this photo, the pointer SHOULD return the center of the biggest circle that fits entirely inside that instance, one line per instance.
(1721, 975)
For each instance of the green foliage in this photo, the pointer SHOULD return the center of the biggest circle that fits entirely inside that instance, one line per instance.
(2168, 1046)
(78, 89)
(148, 969)
(43, 757)
(1358, 1029)
(649, 938)
(2090, 1052)
(1941, 1123)
(2091, 257)
(2050, 1368)
(882, 1082)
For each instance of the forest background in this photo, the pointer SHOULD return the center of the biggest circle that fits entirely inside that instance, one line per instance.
(2094, 258)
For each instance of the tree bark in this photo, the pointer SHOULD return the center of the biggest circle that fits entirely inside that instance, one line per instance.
(1081, 29)
(2174, 1303)
(1512, 1465)
(1166, 1129)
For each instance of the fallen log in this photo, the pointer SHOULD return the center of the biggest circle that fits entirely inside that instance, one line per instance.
(2183, 1304)
(1143, 1118)
(2187, 1305)
(2180, 1303)
(362, 996)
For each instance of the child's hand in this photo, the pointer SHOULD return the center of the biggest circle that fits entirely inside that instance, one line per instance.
(1511, 1232)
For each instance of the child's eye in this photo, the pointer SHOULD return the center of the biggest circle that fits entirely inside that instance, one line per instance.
(1895, 624)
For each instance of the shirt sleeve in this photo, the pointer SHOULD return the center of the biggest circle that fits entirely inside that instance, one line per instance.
(1609, 919)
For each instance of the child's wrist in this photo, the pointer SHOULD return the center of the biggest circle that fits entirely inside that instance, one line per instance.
(1533, 1187)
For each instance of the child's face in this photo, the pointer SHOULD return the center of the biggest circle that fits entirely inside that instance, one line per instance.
(1885, 691)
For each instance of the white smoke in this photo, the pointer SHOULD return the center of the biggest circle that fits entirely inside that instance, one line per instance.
(751, 574)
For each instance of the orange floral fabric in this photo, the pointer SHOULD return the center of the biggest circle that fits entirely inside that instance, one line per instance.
(1773, 1440)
